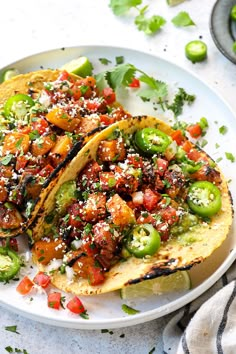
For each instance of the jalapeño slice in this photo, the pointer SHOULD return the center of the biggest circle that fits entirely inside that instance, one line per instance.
(143, 240)
(196, 51)
(204, 198)
(152, 141)
(18, 105)
(9, 264)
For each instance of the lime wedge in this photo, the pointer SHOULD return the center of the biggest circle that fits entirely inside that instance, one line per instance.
(80, 66)
(174, 282)
(174, 2)
(9, 73)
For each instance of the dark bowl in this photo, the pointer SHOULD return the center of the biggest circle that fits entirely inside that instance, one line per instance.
(223, 29)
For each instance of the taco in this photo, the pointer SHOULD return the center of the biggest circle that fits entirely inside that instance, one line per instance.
(43, 116)
(132, 205)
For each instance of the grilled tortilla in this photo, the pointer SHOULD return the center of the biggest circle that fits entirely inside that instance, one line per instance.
(43, 116)
(178, 250)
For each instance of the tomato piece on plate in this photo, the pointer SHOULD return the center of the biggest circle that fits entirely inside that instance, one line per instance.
(135, 83)
(42, 280)
(195, 130)
(54, 300)
(109, 95)
(25, 286)
(75, 305)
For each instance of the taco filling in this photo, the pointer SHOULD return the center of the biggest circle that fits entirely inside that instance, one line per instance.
(139, 200)
(43, 116)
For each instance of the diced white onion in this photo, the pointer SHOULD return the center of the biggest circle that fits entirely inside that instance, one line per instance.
(137, 198)
(54, 264)
(69, 273)
(171, 150)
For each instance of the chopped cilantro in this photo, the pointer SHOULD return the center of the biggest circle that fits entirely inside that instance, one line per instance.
(217, 145)
(152, 350)
(84, 89)
(223, 130)
(230, 156)
(18, 143)
(203, 143)
(104, 331)
(120, 60)
(203, 123)
(84, 315)
(6, 159)
(120, 7)
(129, 310)
(182, 19)
(12, 329)
(34, 135)
(219, 159)
(156, 89)
(234, 47)
(121, 75)
(179, 100)
(104, 61)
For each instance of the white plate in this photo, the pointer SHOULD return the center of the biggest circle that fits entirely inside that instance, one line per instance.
(105, 310)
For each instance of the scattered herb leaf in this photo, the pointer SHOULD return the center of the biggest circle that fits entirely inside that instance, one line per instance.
(182, 19)
(223, 130)
(120, 7)
(129, 310)
(104, 61)
(149, 25)
(12, 329)
(120, 60)
(179, 100)
(230, 156)
(6, 159)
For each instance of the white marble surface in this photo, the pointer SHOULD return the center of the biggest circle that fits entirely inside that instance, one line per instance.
(29, 27)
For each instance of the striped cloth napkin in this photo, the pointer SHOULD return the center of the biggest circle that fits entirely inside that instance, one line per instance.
(208, 324)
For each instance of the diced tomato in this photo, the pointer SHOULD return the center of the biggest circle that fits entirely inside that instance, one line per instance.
(25, 130)
(109, 95)
(75, 92)
(25, 286)
(187, 145)
(177, 136)
(106, 119)
(194, 155)
(46, 171)
(76, 212)
(21, 162)
(95, 105)
(42, 280)
(169, 215)
(195, 130)
(161, 165)
(135, 83)
(150, 199)
(146, 218)
(135, 160)
(75, 305)
(64, 76)
(120, 114)
(95, 275)
(54, 300)
(40, 125)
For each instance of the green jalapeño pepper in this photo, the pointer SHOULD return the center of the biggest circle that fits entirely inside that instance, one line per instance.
(152, 141)
(143, 240)
(204, 198)
(9, 264)
(18, 106)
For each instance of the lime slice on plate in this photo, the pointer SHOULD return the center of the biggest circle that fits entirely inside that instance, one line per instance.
(80, 66)
(174, 282)
(9, 73)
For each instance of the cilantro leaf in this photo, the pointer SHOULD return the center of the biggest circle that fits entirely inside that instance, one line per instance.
(182, 20)
(180, 98)
(156, 88)
(121, 75)
(129, 310)
(120, 7)
(6, 159)
(149, 25)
